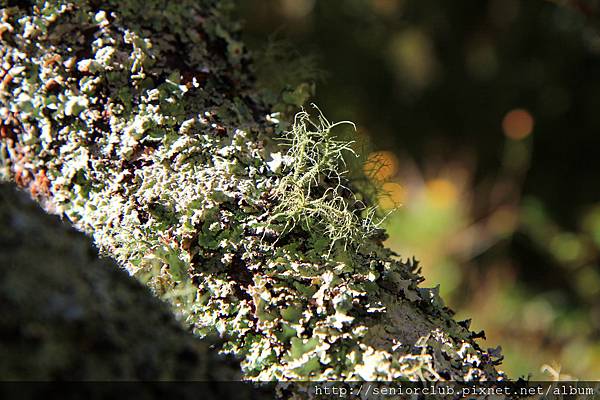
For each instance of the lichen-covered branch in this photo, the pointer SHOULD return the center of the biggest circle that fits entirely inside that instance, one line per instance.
(139, 122)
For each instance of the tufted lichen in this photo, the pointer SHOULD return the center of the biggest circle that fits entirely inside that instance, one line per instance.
(313, 189)
(144, 129)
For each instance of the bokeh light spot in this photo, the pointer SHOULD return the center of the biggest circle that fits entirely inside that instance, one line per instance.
(517, 124)
(567, 247)
(381, 165)
(442, 193)
(412, 52)
(392, 196)
(297, 8)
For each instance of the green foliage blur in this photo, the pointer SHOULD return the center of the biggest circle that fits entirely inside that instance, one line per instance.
(486, 113)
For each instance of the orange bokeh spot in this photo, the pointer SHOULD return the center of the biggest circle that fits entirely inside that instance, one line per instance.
(442, 193)
(517, 124)
(392, 195)
(381, 165)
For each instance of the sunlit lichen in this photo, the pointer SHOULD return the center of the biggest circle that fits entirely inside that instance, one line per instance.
(313, 191)
(145, 131)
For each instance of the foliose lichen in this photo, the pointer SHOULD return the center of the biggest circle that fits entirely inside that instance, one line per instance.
(145, 131)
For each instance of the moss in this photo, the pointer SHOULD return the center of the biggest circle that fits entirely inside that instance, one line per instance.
(148, 134)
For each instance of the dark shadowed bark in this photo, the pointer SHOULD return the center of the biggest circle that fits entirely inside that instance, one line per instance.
(65, 314)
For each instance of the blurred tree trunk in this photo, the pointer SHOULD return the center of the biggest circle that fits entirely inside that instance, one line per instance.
(67, 315)
(140, 123)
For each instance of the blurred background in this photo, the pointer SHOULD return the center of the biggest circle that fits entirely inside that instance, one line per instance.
(486, 114)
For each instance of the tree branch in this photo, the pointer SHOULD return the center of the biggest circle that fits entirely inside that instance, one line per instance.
(138, 121)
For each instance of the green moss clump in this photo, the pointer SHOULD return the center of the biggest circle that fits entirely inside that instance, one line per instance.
(145, 130)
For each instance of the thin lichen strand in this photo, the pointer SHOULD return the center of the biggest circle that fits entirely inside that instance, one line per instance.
(144, 130)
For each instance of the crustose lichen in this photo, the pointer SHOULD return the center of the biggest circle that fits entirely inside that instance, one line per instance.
(313, 189)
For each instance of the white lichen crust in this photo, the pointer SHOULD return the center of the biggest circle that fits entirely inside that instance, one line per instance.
(138, 121)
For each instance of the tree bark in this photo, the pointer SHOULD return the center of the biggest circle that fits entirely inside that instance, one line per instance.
(67, 315)
(139, 122)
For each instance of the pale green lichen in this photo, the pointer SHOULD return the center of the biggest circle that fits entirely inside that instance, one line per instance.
(144, 130)
(313, 191)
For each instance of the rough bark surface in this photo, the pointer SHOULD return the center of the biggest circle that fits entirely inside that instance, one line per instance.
(139, 122)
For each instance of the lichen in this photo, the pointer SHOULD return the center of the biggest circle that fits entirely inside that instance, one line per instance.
(313, 189)
(144, 129)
